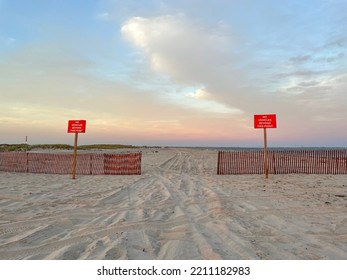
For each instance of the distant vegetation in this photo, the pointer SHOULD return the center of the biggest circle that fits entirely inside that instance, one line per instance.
(14, 147)
(105, 147)
(26, 147)
(52, 146)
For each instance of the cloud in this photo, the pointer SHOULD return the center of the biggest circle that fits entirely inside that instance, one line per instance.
(330, 58)
(335, 42)
(309, 83)
(200, 93)
(324, 97)
(177, 47)
(44, 85)
(300, 58)
(305, 73)
(103, 16)
(192, 54)
(184, 73)
(232, 80)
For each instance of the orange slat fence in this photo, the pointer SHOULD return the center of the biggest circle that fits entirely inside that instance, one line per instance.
(283, 162)
(87, 164)
(13, 162)
(122, 164)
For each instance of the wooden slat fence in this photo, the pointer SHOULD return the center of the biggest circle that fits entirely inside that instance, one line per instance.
(283, 162)
(122, 164)
(87, 164)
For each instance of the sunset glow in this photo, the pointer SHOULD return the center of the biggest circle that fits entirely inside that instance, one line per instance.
(182, 73)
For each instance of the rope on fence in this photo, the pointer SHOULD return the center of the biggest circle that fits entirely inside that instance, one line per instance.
(87, 164)
(283, 162)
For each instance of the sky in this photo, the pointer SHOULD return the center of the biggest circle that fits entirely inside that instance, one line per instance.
(174, 72)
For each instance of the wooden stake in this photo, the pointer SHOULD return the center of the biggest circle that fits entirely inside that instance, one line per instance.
(266, 158)
(74, 157)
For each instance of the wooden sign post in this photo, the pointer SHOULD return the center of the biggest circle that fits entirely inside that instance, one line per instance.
(76, 126)
(264, 122)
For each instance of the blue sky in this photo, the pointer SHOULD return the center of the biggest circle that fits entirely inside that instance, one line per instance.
(182, 72)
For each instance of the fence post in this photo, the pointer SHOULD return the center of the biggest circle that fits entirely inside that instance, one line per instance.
(266, 159)
(74, 157)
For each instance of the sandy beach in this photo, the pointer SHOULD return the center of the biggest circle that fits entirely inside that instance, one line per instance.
(179, 208)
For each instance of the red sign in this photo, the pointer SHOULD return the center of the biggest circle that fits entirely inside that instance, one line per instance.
(265, 121)
(76, 126)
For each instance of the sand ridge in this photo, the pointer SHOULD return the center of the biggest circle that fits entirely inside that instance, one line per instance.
(177, 209)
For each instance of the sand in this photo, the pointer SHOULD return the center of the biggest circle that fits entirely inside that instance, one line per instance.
(177, 209)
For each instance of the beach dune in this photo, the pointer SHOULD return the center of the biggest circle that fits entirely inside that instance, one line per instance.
(179, 208)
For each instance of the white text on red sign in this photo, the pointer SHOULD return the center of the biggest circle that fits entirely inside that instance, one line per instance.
(76, 126)
(265, 121)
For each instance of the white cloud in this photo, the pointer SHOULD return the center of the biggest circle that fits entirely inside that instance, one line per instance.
(179, 48)
(190, 53)
(103, 16)
(237, 77)
(200, 93)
